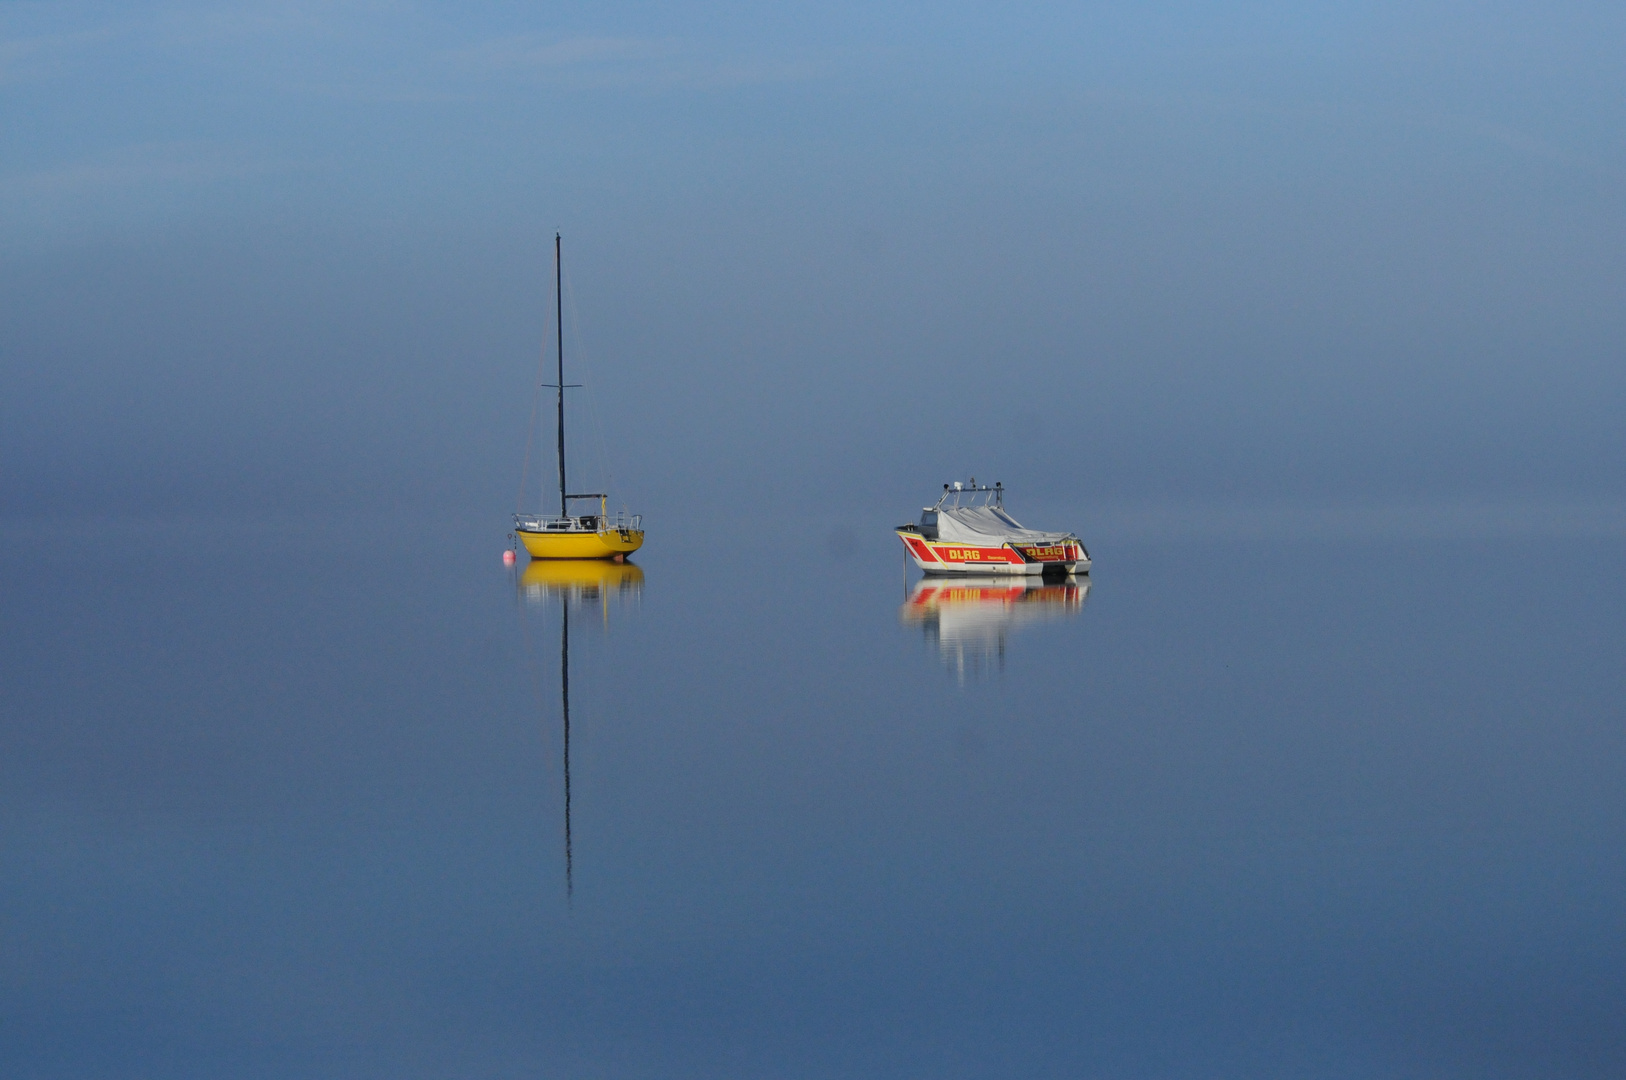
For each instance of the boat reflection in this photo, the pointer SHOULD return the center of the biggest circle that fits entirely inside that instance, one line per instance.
(969, 618)
(575, 583)
(578, 581)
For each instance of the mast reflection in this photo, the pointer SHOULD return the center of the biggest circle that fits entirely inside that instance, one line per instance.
(578, 584)
(969, 618)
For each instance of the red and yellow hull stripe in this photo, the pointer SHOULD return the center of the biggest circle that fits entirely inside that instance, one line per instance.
(933, 555)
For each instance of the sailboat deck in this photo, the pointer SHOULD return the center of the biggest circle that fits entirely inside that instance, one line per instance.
(586, 523)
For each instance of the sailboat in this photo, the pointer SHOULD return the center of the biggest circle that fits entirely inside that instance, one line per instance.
(575, 536)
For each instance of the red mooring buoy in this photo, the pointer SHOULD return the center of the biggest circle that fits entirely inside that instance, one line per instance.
(508, 558)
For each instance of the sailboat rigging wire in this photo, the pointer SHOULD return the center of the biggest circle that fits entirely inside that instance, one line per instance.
(592, 401)
(536, 406)
(525, 463)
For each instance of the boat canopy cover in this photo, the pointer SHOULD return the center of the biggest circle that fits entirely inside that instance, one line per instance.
(988, 526)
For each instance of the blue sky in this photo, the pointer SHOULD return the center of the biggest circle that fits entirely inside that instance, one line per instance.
(294, 256)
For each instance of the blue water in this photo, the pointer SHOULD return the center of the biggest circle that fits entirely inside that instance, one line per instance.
(289, 801)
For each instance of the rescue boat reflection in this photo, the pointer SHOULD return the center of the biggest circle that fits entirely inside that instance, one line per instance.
(970, 618)
(576, 584)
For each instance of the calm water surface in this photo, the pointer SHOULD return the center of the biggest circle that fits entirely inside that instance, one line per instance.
(285, 802)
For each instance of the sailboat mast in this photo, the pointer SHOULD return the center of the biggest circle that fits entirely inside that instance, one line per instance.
(559, 325)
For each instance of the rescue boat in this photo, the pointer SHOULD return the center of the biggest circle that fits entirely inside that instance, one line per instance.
(969, 532)
(575, 536)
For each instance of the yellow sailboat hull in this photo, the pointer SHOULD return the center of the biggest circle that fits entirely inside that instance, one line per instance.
(605, 544)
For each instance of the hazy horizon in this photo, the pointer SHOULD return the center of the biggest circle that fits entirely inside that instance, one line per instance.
(295, 258)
